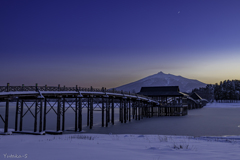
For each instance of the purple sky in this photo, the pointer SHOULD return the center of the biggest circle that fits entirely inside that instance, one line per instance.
(110, 43)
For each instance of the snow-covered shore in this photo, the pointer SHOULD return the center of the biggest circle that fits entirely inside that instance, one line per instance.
(222, 105)
(118, 147)
(132, 146)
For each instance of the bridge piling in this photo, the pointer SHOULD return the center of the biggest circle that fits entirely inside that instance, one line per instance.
(45, 114)
(108, 111)
(40, 118)
(76, 114)
(63, 113)
(139, 110)
(107, 107)
(16, 115)
(133, 110)
(152, 110)
(21, 116)
(136, 111)
(88, 110)
(58, 114)
(129, 113)
(35, 115)
(6, 115)
(80, 114)
(125, 111)
(102, 111)
(112, 111)
(91, 111)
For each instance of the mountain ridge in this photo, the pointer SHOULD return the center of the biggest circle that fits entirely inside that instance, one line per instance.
(162, 79)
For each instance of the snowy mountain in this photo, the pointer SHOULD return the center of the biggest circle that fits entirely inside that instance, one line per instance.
(162, 79)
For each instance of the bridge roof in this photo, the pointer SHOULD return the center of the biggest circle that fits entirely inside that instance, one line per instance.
(196, 96)
(161, 91)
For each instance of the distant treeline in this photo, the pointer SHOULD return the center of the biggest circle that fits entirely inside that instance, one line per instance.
(226, 91)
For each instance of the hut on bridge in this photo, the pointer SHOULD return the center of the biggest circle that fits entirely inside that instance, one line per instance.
(172, 101)
(200, 101)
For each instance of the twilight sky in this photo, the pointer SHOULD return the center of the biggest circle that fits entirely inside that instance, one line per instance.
(110, 43)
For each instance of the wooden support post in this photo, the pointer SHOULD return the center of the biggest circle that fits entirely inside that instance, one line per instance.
(102, 111)
(152, 110)
(35, 116)
(76, 114)
(129, 103)
(136, 110)
(108, 109)
(159, 111)
(133, 110)
(112, 111)
(80, 114)
(88, 111)
(125, 111)
(107, 112)
(21, 116)
(121, 114)
(120, 110)
(8, 87)
(44, 114)
(16, 116)
(147, 106)
(36, 88)
(58, 114)
(144, 109)
(40, 118)
(6, 115)
(91, 112)
(63, 114)
(139, 110)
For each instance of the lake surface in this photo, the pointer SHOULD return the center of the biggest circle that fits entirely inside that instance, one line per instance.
(199, 122)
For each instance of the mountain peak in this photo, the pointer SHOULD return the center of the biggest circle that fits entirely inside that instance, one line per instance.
(162, 79)
(160, 72)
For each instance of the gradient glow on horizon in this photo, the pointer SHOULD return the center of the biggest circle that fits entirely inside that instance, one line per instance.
(111, 43)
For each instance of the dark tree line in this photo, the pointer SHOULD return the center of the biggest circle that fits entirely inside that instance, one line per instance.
(226, 91)
(205, 92)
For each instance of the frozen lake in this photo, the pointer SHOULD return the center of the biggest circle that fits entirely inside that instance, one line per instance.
(215, 119)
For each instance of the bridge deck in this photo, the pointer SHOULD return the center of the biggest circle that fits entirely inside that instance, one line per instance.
(131, 106)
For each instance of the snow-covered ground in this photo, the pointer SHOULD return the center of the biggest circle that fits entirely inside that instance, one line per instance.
(122, 146)
(118, 147)
(222, 105)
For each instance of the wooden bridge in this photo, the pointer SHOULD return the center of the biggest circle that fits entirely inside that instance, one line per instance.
(43, 99)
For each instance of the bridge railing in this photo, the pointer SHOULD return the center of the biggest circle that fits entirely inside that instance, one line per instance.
(9, 88)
